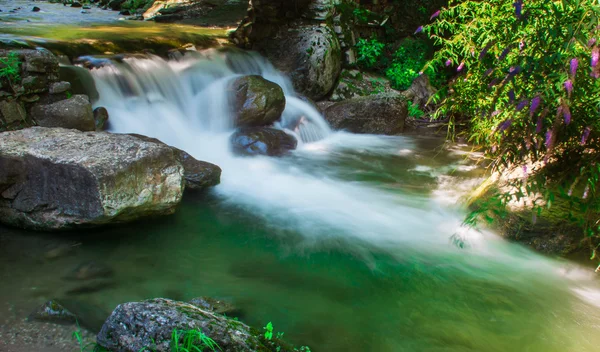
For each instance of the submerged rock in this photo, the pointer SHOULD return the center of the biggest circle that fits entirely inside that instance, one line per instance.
(257, 102)
(52, 311)
(52, 178)
(90, 270)
(375, 114)
(150, 324)
(75, 112)
(262, 141)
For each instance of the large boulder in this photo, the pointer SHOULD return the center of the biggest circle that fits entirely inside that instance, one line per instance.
(257, 102)
(309, 54)
(75, 112)
(198, 175)
(53, 178)
(375, 114)
(262, 141)
(135, 326)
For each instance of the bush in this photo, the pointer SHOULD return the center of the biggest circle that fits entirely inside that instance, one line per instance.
(369, 52)
(407, 62)
(529, 89)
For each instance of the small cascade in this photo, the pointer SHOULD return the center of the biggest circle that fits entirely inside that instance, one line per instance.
(194, 93)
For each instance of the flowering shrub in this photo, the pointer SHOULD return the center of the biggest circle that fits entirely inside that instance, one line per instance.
(528, 83)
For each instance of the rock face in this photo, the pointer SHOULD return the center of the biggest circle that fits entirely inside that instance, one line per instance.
(262, 141)
(75, 112)
(38, 95)
(298, 38)
(52, 178)
(199, 175)
(375, 114)
(53, 311)
(309, 54)
(135, 326)
(257, 102)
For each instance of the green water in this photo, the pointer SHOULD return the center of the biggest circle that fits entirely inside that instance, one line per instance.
(333, 290)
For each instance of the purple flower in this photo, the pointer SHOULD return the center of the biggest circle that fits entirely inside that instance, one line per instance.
(521, 45)
(419, 30)
(566, 113)
(535, 103)
(595, 56)
(485, 51)
(522, 104)
(525, 173)
(506, 124)
(448, 62)
(504, 53)
(460, 67)
(539, 124)
(511, 95)
(495, 113)
(586, 135)
(518, 8)
(574, 65)
(488, 72)
(493, 83)
(548, 138)
(569, 86)
(515, 70)
(591, 42)
(435, 15)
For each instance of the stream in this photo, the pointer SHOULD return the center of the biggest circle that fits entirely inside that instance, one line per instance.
(350, 243)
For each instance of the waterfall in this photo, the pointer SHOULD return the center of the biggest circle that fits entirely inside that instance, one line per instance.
(194, 91)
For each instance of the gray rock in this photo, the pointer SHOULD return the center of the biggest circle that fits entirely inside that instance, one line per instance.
(53, 311)
(309, 54)
(59, 87)
(53, 179)
(75, 112)
(150, 324)
(35, 9)
(11, 111)
(375, 114)
(100, 118)
(262, 141)
(215, 305)
(199, 175)
(38, 61)
(257, 102)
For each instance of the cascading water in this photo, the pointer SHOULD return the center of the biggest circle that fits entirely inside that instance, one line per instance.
(344, 192)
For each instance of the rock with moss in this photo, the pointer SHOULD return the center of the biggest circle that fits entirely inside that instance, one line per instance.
(375, 114)
(256, 101)
(53, 312)
(355, 84)
(253, 141)
(150, 324)
(309, 54)
(54, 179)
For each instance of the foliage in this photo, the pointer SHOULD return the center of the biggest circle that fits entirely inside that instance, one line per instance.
(137, 4)
(529, 88)
(83, 347)
(191, 341)
(407, 63)
(369, 52)
(9, 67)
(415, 111)
(269, 331)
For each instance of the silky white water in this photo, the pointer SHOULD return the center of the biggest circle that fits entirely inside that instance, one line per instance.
(186, 104)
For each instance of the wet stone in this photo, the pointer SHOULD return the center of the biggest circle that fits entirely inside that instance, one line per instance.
(59, 87)
(52, 311)
(90, 270)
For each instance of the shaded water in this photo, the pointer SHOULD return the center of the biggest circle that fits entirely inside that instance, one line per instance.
(345, 245)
